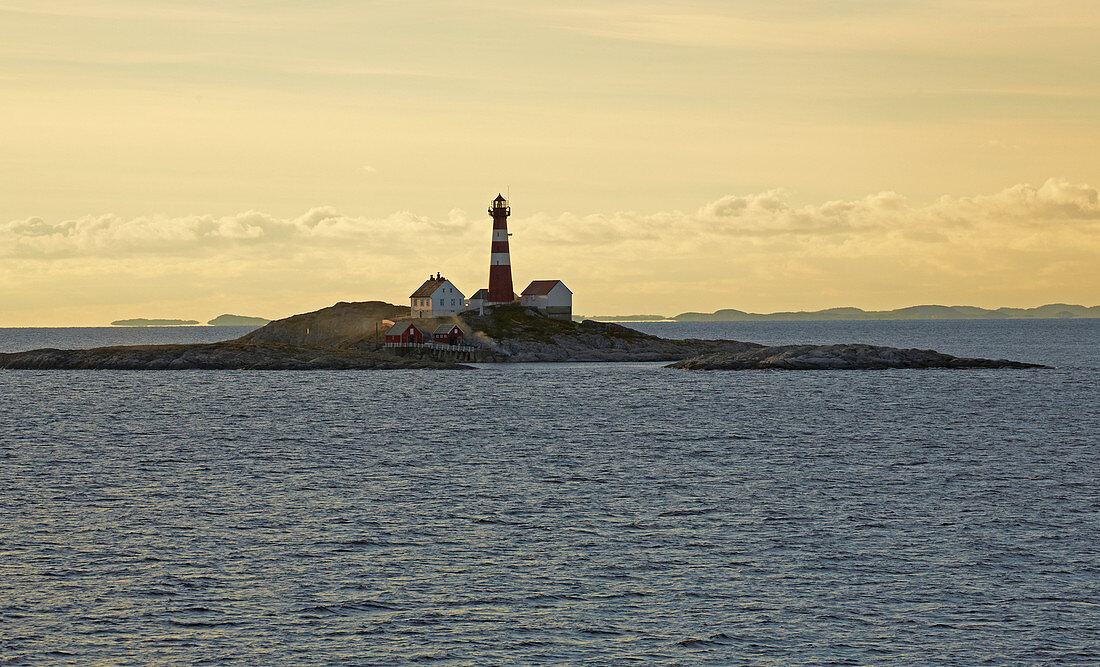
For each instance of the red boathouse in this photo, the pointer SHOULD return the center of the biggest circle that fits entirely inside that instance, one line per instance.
(404, 333)
(448, 334)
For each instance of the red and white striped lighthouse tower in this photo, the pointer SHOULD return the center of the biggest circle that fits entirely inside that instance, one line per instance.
(500, 267)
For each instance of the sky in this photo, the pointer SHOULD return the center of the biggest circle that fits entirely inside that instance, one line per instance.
(187, 159)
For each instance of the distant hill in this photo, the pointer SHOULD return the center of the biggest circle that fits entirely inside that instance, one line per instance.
(238, 321)
(932, 312)
(142, 322)
(342, 325)
(621, 318)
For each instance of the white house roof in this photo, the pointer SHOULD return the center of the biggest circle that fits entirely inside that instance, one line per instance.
(542, 287)
(482, 294)
(446, 328)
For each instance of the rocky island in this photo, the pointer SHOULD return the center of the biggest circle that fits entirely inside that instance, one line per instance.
(228, 320)
(926, 312)
(836, 357)
(146, 322)
(352, 336)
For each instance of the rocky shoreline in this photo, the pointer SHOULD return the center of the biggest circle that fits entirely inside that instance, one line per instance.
(212, 356)
(515, 335)
(349, 336)
(837, 357)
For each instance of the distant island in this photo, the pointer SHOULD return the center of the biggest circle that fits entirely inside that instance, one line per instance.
(219, 321)
(143, 322)
(238, 321)
(1049, 311)
(623, 318)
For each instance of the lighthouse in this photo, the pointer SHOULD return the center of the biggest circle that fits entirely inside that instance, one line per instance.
(500, 267)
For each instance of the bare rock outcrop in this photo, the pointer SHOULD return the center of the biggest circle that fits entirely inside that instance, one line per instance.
(519, 334)
(837, 357)
(212, 356)
(342, 326)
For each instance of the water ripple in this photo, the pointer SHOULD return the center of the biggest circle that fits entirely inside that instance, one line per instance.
(576, 513)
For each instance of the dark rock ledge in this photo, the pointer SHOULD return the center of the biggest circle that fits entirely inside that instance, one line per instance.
(229, 355)
(837, 357)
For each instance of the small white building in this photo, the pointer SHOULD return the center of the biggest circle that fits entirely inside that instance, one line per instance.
(436, 297)
(478, 301)
(551, 297)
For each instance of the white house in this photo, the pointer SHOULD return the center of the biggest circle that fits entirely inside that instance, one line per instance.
(478, 300)
(436, 297)
(551, 297)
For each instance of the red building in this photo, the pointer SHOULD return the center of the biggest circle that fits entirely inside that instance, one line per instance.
(448, 334)
(404, 333)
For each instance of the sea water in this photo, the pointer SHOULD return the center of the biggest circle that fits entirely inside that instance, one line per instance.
(561, 513)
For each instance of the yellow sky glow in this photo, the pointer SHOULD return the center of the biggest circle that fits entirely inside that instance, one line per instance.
(184, 159)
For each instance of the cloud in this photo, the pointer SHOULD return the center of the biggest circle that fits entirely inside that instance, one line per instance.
(1023, 244)
(127, 10)
(1055, 200)
(770, 215)
(765, 215)
(761, 216)
(322, 227)
(822, 27)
